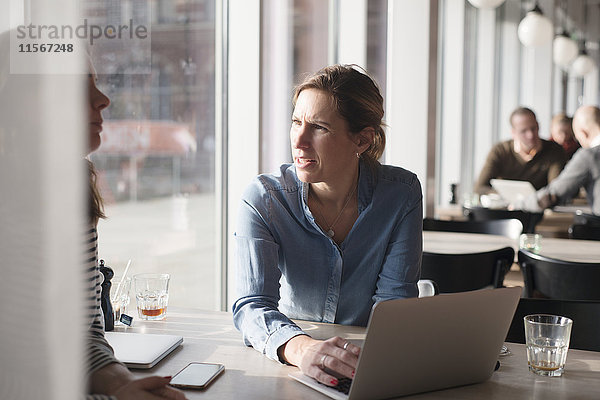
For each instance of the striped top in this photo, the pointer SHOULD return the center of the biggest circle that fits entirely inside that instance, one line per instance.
(98, 352)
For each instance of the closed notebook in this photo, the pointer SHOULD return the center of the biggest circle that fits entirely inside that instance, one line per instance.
(140, 350)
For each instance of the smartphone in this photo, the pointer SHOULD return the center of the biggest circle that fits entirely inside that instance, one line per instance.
(196, 375)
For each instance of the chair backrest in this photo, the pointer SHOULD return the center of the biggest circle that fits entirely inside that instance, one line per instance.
(511, 228)
(585, 316)
(427, 288)
(528, 219)
(559, 279)
(584, 232)
(582, 218)
(471, 271)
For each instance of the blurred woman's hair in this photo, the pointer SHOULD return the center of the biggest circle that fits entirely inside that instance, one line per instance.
(562, 118)
(95, 203)
(357, 100)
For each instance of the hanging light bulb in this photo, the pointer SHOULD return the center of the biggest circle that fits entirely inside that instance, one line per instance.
(535, 29)
(583, 64)
(564, 50)
(486, 3)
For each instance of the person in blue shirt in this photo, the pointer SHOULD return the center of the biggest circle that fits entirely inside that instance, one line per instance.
(327, 237)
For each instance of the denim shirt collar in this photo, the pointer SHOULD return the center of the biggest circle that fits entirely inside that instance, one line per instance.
(366, 183)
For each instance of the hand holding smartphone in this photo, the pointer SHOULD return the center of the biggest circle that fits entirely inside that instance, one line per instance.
(196, 375)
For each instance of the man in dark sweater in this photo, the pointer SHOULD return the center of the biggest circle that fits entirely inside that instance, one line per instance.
(524, 158)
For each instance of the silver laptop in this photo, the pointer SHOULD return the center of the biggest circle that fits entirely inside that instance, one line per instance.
(431, 343)
(140, 350)
(514, 193)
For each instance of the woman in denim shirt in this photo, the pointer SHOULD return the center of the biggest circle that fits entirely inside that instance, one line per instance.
(328, 236)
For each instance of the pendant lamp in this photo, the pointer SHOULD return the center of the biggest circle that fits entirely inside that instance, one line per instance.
(583, 64)
(486, 4)
(564, 50)
(535, 29)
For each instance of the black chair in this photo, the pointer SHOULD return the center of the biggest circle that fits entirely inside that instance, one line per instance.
(511, 228)
(528, 219)
(558, 279)
(585, 316)
(581, 218)
(471, 271)
(584, 232)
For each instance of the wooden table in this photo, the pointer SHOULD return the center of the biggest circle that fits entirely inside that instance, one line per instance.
(209, 336)
(563, 249)
(555, 223)
(571, 250)
(459, 243)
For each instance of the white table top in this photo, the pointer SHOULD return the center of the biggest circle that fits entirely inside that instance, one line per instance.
(571, 250)
(457, 243)
(209, 336)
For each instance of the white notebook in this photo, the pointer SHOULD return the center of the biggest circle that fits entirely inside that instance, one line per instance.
(141, 350)
(515, 193)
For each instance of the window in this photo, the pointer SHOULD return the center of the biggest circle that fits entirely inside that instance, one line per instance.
(156, 164)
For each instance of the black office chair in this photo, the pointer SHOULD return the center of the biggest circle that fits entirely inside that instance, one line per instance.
(585, 316)
(584, 232)
(528, 219)
(471, 271)
(511, 228)
(558, 279)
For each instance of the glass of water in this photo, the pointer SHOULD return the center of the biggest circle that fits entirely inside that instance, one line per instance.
(547, 339)
(119, 297)
(152, 295)
(531, 242)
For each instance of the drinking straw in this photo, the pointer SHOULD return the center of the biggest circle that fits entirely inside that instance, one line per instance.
(117, 295)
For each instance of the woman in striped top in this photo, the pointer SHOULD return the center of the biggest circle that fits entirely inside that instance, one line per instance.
(107, 377)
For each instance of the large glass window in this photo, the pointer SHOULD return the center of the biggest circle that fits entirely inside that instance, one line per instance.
(156, 164)
(299, 37)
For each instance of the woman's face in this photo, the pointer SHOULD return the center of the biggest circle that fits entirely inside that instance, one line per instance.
(97, 102)
(322, 146)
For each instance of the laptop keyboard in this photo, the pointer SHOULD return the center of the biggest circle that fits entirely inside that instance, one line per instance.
(342, 386)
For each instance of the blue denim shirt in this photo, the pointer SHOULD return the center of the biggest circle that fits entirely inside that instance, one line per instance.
(287, 267)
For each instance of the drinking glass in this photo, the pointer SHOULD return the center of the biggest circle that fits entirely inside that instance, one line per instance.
(119, 297)
(152, 295)
(531, 242)
(547, 338)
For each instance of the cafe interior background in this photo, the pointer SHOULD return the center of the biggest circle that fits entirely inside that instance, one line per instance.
(181, 141)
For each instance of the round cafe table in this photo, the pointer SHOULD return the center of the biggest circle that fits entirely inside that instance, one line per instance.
(459, 243)
(571, 250)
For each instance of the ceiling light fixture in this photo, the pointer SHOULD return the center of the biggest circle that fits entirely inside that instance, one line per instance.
(564, 49)
(535, 29)
(583, 64)
(486, 4)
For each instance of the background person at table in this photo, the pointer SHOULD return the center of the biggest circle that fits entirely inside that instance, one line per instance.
(525, 157)
(561, 132)
(328, 236)
(107, 377)
(583, 170)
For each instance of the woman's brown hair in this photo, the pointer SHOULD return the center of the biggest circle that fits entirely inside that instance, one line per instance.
(356, 98)
(96, 204)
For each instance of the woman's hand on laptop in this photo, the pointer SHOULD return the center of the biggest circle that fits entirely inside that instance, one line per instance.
(323, 360)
